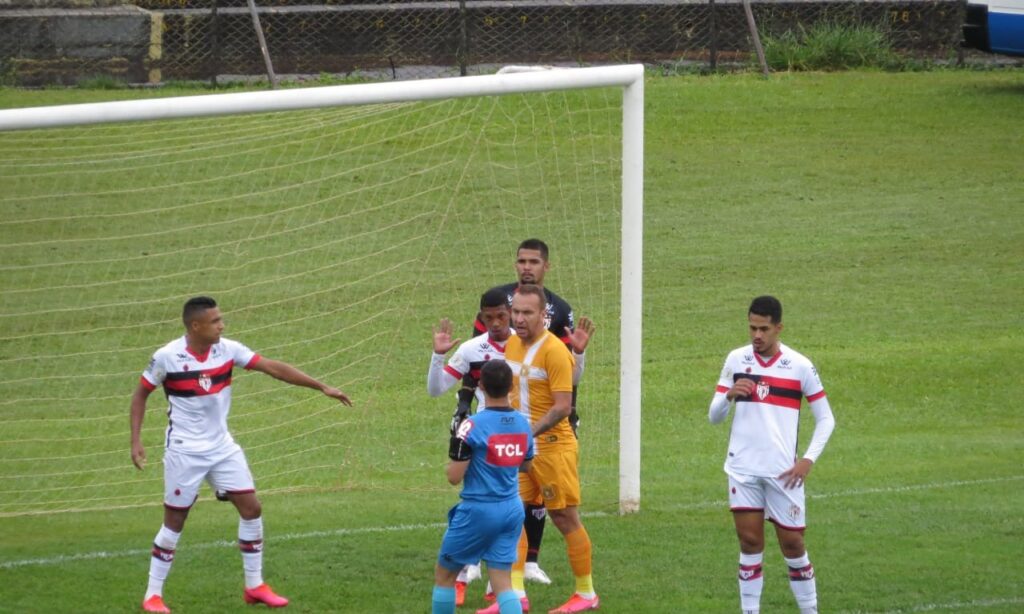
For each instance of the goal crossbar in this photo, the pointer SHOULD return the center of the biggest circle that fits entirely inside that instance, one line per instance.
(629, 77)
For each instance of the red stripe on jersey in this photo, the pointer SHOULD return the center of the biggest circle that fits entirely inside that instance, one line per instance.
(221, 370)
(192, 385)
(780, 382)
(452, 372)
(255, 359)
(721, 388)
(145, 384)
(816, 396)
(778, 401)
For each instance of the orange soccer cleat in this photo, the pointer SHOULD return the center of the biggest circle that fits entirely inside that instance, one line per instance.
(155, 604)
(460, 593)
(264, 594)
(577, 603)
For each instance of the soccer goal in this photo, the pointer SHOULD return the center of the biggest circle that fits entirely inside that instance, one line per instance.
(334, 225)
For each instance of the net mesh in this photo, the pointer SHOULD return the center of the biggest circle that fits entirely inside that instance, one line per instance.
(333, 240)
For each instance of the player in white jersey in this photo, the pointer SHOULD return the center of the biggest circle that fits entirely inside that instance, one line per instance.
(767, 381)
(195, 372)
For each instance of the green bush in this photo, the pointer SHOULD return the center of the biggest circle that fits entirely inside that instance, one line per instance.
(829, 46)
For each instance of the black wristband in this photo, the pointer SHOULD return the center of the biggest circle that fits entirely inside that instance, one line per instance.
(458, 449)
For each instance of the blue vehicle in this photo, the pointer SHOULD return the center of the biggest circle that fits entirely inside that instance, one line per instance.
(996, 26)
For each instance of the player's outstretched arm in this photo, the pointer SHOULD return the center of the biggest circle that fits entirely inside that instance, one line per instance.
(289, 374)
(138, 412)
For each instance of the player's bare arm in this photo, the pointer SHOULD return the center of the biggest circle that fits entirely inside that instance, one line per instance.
(443, 341)
(138, 412)
(742, 388)
(560, 410)
(289, 374)
(797, 474)
(579, 338)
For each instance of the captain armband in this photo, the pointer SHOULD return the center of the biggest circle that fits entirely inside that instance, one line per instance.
(458, 449)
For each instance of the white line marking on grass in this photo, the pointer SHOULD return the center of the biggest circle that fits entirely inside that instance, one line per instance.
(88, 556)
(955, 605)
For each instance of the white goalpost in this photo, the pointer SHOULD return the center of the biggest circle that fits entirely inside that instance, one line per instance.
(630, 78)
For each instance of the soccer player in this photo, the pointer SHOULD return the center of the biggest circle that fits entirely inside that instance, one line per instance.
(532, 264)
(466, 361)
(488, 450)
(766, 381)
(195, 372)
(464, 366)
(542, 388)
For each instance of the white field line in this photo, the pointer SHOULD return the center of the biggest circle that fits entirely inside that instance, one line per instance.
(88, 556)
(972, 605)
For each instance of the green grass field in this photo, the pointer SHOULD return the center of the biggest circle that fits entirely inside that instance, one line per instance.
(883, 209)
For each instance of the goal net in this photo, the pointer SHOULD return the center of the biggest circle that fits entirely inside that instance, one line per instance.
(333, 238)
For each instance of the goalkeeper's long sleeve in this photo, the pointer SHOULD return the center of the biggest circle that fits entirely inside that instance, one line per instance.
(579, 363)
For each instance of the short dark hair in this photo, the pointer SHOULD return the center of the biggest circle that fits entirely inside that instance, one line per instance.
(536, 244)
(196, 306)
(535, 290)
(767, 306)
(496, 378)
(495, 297)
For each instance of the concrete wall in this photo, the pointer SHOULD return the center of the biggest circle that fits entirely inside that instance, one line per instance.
(42, 45)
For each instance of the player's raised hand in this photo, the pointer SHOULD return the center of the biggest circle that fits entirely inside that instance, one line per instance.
(334, 393)
(443, 337)
(580, 337)
(138, 455)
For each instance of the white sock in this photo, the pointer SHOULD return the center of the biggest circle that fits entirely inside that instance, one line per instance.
(801, 582)
(164, 545)
(250, 542)
(751, 582)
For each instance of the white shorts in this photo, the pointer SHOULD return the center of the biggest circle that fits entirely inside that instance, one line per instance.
(781, 505)
(225, 469)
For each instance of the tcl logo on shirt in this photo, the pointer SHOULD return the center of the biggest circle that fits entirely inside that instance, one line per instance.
(507, 450)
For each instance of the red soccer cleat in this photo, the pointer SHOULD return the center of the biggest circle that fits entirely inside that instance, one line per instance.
(460, 593)
(264, 594)
(155, 604)
(493, 608)
(577, 603)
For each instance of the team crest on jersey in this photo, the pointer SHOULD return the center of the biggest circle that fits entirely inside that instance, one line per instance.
(763, 389)
(785, 363)
(204, 382)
